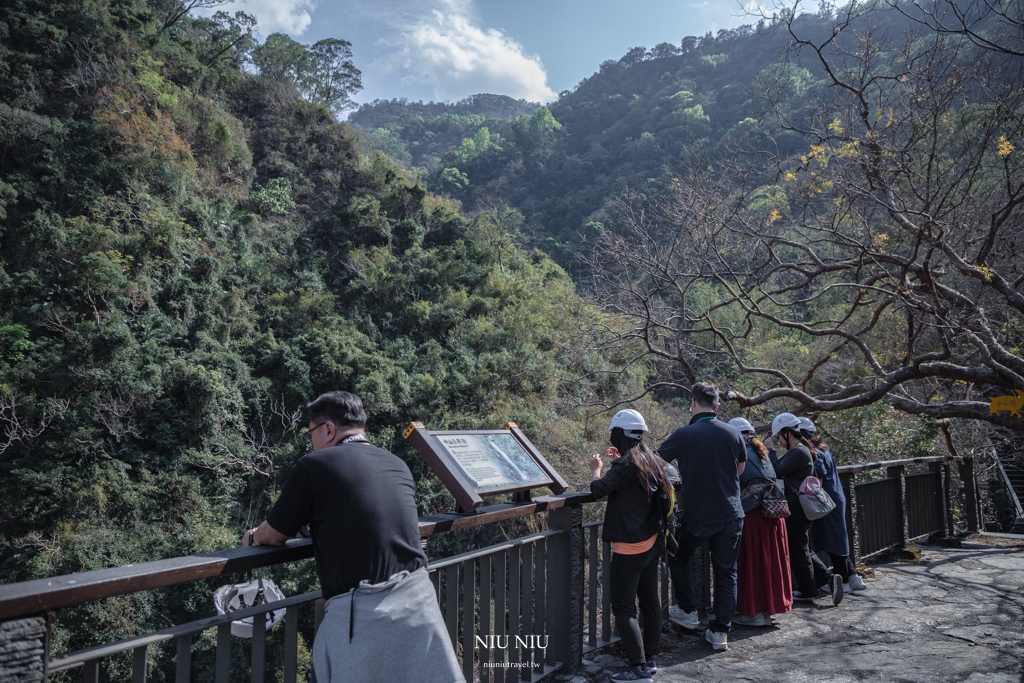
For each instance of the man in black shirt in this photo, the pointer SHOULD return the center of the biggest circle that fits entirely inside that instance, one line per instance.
(711, 456)
(359, 503)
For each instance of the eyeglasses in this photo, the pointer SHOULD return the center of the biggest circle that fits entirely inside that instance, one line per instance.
(309, 432)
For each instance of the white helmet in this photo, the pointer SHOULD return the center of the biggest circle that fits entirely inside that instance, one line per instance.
(783, 420)
(631, 422)
(806, 425)
(742, 424)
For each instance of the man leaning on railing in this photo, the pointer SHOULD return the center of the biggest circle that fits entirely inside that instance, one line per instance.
(358, 501)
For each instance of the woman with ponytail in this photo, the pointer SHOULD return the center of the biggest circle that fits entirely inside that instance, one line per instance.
(829, 533)
(633, 524)
(763, 579)
(795, 466)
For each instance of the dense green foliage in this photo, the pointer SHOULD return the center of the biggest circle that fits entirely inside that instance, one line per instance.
(192, 247)
(726, 195)
(190, 252)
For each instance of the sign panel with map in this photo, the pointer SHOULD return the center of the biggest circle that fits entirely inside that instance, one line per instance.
(479, 463)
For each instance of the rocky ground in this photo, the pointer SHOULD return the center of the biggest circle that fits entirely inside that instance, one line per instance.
(952, 614)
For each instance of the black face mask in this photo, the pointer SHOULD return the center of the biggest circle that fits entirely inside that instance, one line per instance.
(622, 442)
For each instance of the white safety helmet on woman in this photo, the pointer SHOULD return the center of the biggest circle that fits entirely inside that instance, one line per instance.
(742, 424)
(783, 420)
(806, 425)
(630, 421)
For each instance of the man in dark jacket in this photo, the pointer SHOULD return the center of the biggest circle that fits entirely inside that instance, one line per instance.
(711, 456)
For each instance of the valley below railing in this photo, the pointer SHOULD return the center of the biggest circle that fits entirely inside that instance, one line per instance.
(515, 611)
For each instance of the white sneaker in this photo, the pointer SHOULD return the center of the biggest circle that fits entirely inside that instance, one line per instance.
(761, 619)
(719, 641)
(688, 620)
(857, 583)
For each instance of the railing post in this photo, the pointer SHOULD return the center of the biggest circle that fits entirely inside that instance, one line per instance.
(848, 480)
(565, 590)
(898, 472)
(970, 493)
(947, 500)
(938, 468)
(22, 650)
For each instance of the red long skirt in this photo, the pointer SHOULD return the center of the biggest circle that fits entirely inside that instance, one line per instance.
(763, 579)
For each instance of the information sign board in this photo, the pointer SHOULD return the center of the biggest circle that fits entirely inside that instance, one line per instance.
(477, 463)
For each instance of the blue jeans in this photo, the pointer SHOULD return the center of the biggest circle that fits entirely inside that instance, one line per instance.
(724, 542)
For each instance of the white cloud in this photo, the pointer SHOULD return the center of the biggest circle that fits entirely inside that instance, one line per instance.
(278, 16)
(456, 58)
(753, 11)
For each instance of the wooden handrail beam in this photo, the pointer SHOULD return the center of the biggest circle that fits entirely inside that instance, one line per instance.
(42, 595)
(882, 464)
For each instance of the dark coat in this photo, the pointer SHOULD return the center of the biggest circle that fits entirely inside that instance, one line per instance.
(828, 534)
(795, 466)
(708, 453)
(632, 514)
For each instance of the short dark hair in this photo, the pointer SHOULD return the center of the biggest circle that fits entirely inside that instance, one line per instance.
(705, 394)
(340, 407)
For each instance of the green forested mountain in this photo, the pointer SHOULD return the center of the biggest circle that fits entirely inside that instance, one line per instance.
(190, 251)
(192, 246)
(628, 124)
(738, 197)
(766, 206)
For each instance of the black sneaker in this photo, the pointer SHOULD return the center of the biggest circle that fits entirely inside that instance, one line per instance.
(632, 673)
(837, 589)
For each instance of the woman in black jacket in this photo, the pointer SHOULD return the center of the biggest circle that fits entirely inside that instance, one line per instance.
(638, 492)
(796, 465)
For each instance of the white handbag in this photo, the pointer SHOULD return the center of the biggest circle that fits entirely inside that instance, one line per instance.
(239, 596)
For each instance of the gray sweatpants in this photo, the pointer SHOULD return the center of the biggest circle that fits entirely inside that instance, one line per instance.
(385, 631)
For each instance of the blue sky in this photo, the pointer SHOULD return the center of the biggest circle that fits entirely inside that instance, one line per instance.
(448, 49)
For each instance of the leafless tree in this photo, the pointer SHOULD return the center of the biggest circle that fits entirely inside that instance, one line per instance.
(20, 429)
(990, 24)
(118, 411)
(883, 263)
(256, 448)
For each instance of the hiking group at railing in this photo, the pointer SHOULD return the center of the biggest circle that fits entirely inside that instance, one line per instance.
(711, 491)
(730, 500)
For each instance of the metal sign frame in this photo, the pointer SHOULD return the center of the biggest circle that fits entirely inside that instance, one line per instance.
(451, 474)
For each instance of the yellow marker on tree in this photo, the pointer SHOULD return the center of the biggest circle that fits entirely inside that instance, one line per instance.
(1010, 403)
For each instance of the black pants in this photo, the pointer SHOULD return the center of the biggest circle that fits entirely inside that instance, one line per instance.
(809, 572)
(633, 577)
(724, 543)
(843, 565)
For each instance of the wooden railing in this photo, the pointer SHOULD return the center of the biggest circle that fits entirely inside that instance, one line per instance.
(550, 588)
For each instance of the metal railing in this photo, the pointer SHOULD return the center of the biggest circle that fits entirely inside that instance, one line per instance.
(496, 606)
(890, 512)
(515, 611)
(1011, 478)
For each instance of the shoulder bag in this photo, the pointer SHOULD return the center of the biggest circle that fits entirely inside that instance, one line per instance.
(770, 499)
(813, 499)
